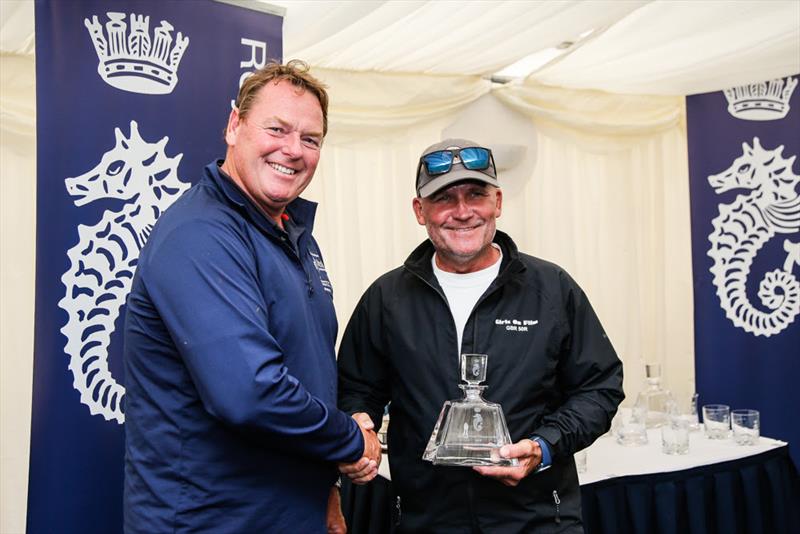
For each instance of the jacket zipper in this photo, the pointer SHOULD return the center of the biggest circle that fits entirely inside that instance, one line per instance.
(399, 511)
(299, 260)
(557, 501)
(474, 314)
(444, 299)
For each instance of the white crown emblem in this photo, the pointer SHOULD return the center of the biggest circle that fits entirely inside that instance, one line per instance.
(132, 62)
(764, 101)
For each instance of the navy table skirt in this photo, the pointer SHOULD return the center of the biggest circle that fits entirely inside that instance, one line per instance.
(753, 495)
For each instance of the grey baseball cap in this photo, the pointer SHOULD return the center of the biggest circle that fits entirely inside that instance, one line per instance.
(428, 185)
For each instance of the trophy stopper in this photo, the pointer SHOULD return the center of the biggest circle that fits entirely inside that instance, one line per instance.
(473, 368)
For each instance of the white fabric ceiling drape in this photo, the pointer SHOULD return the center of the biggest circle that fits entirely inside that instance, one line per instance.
(477, 37)
(667, 47)
(682, 47)
(371, 101)
(595, 116)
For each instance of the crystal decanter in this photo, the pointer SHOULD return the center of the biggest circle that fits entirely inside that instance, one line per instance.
(470, 431)
(657, 401)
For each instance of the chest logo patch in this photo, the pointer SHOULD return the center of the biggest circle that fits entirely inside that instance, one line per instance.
(516, 325)
(322, 272)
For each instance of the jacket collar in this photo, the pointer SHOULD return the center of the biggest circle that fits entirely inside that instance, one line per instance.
(301, 211)
(419, 261)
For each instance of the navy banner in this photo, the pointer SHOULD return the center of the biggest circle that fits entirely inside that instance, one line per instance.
(745, 202)
(132, 100)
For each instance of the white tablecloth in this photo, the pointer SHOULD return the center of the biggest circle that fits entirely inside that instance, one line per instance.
(607, 459)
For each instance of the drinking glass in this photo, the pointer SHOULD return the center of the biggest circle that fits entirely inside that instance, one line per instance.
(633, 430)
(717, 420)
(675, 435)
(746, 426)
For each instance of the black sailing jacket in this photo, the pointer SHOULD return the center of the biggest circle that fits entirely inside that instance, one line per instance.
(551, 367)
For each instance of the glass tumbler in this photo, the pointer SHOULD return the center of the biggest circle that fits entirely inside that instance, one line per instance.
(746, 425)
(717, 420)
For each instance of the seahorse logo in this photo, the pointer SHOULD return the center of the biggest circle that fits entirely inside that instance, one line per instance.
(104, 260)
(476, 368)
(477, 421)
(743, 227)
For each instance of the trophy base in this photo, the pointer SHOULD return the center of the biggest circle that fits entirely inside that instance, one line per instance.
(468, 456)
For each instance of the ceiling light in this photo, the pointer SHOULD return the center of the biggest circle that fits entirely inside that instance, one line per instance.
(530, 64)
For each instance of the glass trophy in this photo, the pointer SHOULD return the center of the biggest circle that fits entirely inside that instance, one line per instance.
(470, 431)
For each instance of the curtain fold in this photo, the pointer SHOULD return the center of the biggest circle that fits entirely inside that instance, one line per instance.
(618, 221)
(17, 99)
(756, 494)
(17, 253)
(362, 101)
(683, 47)
(608, 199)
(592, 113)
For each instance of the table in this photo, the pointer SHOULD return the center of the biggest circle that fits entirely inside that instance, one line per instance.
(719, 487)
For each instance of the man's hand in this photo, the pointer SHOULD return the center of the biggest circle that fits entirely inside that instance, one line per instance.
(335, 521)
(365, 469)
(526, 451)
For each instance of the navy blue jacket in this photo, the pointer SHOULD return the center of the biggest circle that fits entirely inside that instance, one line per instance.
(230, 372)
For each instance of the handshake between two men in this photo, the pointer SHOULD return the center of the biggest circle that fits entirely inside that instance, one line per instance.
(528, 452)
(366, 468)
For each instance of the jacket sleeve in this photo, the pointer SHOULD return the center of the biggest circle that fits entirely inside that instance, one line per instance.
(203, 281)
(589, 378)
(364, 374)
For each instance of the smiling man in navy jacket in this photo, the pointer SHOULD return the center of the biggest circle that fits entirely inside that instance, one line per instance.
(467, 289)
(231, 419)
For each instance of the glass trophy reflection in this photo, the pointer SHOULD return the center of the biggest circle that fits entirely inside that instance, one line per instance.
(470, 431)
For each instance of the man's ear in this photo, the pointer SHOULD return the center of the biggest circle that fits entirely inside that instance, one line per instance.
(416, 204)
(499, 202)
(234, 121)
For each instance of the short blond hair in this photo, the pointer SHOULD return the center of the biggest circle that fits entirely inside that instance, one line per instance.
(295, 72)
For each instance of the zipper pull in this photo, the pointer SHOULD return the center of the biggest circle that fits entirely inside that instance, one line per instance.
(557, 501)
(399, 511)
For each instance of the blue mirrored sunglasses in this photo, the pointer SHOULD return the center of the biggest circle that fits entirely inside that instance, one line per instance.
(474, 158)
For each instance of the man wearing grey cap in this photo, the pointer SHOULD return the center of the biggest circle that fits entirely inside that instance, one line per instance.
(467, 289)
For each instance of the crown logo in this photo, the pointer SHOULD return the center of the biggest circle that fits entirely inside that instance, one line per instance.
(766, 101)
(134, 62)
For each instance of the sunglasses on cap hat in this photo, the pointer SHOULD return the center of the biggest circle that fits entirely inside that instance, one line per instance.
(473, 158)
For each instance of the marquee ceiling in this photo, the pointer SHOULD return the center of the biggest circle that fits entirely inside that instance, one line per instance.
(633, 46)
